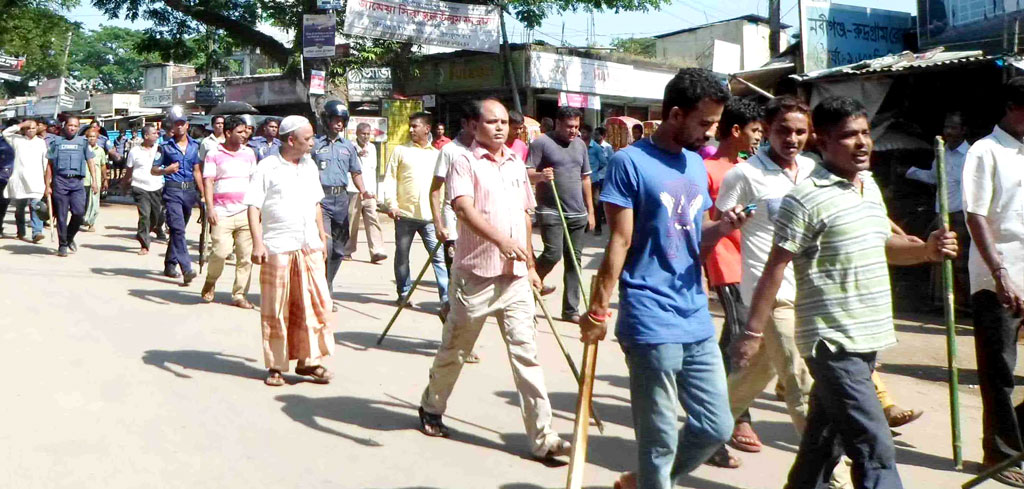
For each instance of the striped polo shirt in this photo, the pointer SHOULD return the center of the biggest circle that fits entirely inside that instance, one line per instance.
(838, 236)
(231, 172)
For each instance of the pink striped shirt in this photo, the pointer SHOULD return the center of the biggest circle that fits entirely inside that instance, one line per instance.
(231, 172)
(502, 194)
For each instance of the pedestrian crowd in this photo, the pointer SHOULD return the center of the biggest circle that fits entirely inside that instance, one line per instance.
(783, 221)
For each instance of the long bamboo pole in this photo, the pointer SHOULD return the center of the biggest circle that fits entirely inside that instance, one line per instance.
(405, 298)
(948, 302)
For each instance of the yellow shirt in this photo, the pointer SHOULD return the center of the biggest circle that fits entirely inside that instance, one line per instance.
(407, 179)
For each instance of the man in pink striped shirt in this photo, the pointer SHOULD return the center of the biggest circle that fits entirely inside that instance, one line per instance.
(228, 169)
(494, 271)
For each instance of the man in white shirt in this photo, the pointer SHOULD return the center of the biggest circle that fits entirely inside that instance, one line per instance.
(211, 142)
(27, 183)
(365, 208)
(953, 131)
(993, 199)
(287, 229)
(147, 189)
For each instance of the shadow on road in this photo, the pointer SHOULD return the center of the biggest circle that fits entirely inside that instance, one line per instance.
(110, 247)
(27, 249)
(205, 361)
(362, 341)
(935, 326)
(134, 273)
(563, 405)
(162, 296)
(935, 373)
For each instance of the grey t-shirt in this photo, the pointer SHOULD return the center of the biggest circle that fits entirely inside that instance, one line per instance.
(571, 163)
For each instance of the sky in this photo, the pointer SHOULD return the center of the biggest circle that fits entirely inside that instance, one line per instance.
(573, 27)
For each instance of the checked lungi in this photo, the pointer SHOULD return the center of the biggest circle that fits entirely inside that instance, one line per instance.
(294, 304)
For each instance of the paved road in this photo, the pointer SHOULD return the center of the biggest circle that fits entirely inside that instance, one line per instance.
(120, 378)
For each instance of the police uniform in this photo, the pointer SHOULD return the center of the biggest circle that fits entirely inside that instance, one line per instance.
(335, 159)
(179, 197)
(264, 148)
(68, 160)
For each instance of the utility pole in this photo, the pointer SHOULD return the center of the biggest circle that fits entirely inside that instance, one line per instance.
(774, 26)
(63, 73)
(508, 60)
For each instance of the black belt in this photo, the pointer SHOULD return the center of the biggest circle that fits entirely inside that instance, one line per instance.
(180, 185)
(80, 177)
(332, 190)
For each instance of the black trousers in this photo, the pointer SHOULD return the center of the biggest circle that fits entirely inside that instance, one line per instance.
(150, 204)
(995, 345)
(3, 205)
(735, 317)
(844, 416)
(555, 246)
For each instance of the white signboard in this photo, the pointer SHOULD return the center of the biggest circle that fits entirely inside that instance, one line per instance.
(330, 4)
(585, 75)
(431, 22)
(318, 35)
(378, 128)
(369, 84)
(160, 97)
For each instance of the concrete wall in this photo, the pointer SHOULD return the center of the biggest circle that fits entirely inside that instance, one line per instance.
(696, 47)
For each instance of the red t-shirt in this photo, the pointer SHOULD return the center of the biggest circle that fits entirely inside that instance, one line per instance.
(723, 264)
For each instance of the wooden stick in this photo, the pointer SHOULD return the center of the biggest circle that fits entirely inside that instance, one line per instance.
(405, 299)
(53, 220)
(583, 405)
(568, 358)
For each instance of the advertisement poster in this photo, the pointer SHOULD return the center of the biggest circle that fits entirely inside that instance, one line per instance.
(579, 100)
(317, 82)
(431, 22)
(378, 128)
(318, 32)
(368, 84)
(397, 113)
(839, 35)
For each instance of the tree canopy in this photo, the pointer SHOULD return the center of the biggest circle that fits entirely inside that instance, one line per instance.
(108, 60)
(637, 46)
(36, 30)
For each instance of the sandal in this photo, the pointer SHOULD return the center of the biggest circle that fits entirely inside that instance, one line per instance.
(722, 458)
(897, 416)
(274, 379)
(431, 424)
(472, 357)
(242, 303)
(745, 439)
(319, 373)
(207, 294)
(1013, 477)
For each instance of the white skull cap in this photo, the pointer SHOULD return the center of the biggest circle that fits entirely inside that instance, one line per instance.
(293, 122)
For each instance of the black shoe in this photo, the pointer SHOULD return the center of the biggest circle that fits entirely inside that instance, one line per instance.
(379, 257)
(189, 277)
(62, 251)
(72, 247)
(431, 424)
(37, 238)
(571, 318)
(171, 273)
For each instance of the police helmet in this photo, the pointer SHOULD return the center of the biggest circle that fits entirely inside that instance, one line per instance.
(336, 108)
(175, 113)
(41, 210)
(249, 120)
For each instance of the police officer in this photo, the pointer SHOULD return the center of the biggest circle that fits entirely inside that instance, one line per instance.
(337, 158)
(49, 130)
(178, 162)
(70, 158)
(266, 143)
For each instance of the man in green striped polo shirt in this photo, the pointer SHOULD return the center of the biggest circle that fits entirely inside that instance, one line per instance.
(834, 228)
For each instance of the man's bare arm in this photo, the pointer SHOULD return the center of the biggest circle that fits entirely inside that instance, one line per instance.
(435, 208)
(981, 236)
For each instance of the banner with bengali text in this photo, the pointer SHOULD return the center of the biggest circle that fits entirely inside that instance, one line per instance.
(430, 22)
(837, 35)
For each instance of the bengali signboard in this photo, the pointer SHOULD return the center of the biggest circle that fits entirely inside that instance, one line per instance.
(157, 98)
(579, 100)
(584, 75)
(837, 35)
(330, 4)
(318, 35)
(431, 22)
(368, 84)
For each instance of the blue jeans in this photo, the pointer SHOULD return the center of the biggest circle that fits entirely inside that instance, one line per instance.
(661, 375)
(21, 206)
(845, 416)
(405, 230)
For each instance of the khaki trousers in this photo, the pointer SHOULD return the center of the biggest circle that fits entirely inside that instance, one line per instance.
(231, 231)
(366, 209)
(509, 300)
(777, 354)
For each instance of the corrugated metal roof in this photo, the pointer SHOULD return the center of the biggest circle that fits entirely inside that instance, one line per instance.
(905, 61)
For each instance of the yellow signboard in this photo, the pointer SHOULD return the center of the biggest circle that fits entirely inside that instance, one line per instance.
(397, 112)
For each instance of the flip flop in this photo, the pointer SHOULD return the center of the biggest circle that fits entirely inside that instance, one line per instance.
(319, 373)
(897, 416)
(745, 440)
(1013, 477)
(722, 458)
(274, 379)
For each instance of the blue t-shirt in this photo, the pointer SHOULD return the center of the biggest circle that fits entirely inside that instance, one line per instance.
(661, 296)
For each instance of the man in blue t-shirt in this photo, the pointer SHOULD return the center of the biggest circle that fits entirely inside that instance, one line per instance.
(656, 198)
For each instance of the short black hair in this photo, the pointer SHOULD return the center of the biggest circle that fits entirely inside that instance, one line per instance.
(147, 129)
(565, 113)
(213, 120)
(689, 87)
(832, 111)
(587, 127)
(1013, 91)
(738, 112)
(515, 117)
(783, 105)
(234, 121)
(422, 116)
(601, 131)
